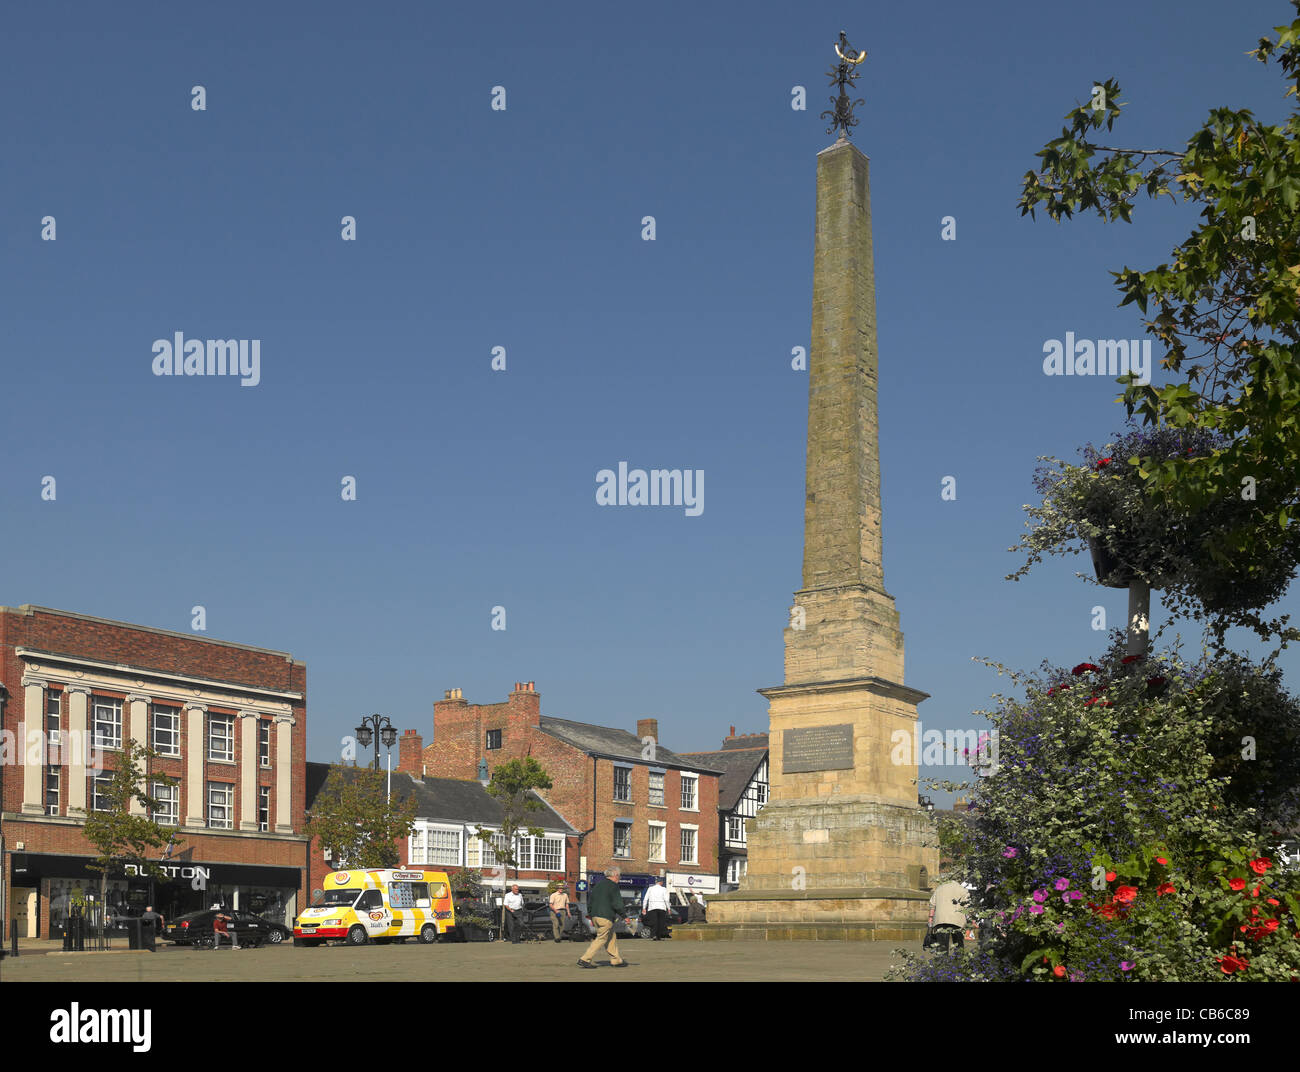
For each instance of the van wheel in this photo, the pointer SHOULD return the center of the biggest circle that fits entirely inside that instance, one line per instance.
(357, 935)
(428, 933)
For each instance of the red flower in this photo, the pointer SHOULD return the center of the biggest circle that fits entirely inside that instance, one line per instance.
(1059, 971)
(1132, 659)
(1110, 876)
(1161, 861)
(1273, 901)
(1163, 888)
(1231, 964)
(1237, 883)
(1083, 668)
(1126, 894)
(1261, 865)
(1255, 891)
(1102, 463)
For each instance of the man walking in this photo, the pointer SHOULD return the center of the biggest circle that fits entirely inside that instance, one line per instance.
(514, 909)
(559, 902)
(605, 906)
(656, 905)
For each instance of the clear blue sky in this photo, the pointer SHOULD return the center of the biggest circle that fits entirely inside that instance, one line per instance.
(479, 228)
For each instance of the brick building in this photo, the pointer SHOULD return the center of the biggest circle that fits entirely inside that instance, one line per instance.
(448, 815)
(632, 801)
(229, 723)
(742, 791)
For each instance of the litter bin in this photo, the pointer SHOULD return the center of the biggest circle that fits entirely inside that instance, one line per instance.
(132, 925)
(148, 932)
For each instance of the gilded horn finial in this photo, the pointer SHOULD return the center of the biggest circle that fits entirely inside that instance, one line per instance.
(844, 76)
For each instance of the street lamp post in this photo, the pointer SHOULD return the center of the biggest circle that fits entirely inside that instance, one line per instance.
(383, 729)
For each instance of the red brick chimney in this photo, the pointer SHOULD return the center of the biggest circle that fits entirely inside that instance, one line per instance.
(524, 707)
(647, 727)
(410, 749)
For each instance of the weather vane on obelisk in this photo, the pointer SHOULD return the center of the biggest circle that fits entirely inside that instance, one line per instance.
(844, 74)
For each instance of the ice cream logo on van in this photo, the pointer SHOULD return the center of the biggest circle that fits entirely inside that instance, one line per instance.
(341, 877)
(415, 876)
(376, 916)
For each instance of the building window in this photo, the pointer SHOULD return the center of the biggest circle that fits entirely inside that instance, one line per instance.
(688, 845)
(623, 783)
(167, 730)
(168, 812)
(761, 792)
(443, 847)
(99, 786)
(264, 741)
(221, 805)
(735, 830)
(264, 807)
(221, 738)
(736, 868)
(623, 839)
(493, 739)
(548, 854)
(657, 841)
(491, 855)
(53, 717)
(657, 789)
(688, 792)
(107, 722)
(51, 790)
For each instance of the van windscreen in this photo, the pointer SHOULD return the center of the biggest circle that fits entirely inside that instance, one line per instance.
(340, 897)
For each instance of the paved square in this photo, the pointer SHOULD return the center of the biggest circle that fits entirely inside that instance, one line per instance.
(747, 961)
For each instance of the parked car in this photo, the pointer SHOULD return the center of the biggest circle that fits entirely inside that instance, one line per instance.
(195, 929)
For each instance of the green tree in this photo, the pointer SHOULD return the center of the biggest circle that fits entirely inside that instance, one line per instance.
(356, 822)
(120, 837)
(512, 786)
(1224, 309)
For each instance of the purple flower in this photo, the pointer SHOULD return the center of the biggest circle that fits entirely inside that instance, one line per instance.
(1040, 896)
(1010, 853)
(1062, 884)
(1125, 965)
(1036, 910)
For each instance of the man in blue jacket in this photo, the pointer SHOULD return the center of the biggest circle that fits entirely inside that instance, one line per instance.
(605, 906)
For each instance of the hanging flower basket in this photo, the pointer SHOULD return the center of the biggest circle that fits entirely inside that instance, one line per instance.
(1111, 569)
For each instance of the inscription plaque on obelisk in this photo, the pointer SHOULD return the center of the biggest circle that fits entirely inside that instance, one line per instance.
(817, 748)
(842, 848)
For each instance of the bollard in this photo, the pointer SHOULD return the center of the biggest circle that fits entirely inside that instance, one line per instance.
(13, 937)
(67, 935)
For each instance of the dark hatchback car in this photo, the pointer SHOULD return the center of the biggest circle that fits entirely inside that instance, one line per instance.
(195, 929)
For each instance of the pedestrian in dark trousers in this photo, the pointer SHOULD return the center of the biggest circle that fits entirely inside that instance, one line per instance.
(514, 914)
(656, 905)
(605, 907)
(153, 925)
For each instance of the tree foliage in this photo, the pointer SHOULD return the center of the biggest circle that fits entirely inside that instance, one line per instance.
(356, 822)
(1224, 308)
(120, 837)
(512, 786)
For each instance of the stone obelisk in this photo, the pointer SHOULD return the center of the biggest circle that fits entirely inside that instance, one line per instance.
(842, 849)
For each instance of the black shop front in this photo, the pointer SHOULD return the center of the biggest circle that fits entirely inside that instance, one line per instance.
(63, 881)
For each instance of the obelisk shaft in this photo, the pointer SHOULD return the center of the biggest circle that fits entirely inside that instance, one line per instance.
(842, 543)
(850, 626)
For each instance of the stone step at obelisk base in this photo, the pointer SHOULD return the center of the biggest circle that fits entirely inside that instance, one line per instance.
(842, 848)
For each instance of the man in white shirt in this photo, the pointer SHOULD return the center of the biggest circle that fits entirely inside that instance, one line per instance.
(656, 905)
(514, 914)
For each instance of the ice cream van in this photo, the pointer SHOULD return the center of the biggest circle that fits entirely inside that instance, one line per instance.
(378, 905)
